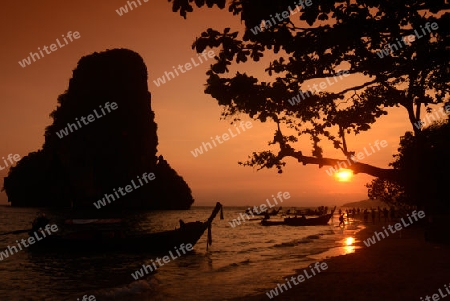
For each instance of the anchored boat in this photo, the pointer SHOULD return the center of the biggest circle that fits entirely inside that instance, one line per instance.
(301, 221)
(106, 235)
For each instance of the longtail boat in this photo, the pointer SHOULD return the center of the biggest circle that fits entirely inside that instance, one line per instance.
(109, 238)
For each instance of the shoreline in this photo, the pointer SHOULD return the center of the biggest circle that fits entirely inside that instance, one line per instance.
(400, 267)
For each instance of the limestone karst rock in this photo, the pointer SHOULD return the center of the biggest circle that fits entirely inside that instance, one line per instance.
(98, 154)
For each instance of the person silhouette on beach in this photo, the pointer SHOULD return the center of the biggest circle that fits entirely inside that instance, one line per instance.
(373, 215)
(366, 215)
(341, 220)
(392, 213)
(385, 214)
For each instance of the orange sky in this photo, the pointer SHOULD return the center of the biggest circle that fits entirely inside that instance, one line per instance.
(185, 116)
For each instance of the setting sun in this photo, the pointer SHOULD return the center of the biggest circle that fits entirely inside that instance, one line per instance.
(344, 175)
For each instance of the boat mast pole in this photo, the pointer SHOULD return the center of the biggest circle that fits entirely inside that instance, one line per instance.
(214, 213)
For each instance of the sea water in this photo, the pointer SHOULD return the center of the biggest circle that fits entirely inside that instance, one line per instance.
(248, 259)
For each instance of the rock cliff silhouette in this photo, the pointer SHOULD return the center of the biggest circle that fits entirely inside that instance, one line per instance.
(104, 154)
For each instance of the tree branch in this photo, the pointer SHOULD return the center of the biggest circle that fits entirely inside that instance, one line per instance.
(356, 167)
(358, 87)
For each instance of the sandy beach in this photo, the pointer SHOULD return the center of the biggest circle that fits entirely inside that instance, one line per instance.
(402, 267)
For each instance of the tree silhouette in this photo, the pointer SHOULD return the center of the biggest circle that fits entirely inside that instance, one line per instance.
(422, 182)
(316, 42)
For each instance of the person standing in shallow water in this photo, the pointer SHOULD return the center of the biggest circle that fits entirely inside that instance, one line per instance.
(341, 220)
(372, 213)
(39, 222)
(385, 214)
(392, 213)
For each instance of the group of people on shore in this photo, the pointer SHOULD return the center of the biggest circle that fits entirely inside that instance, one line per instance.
(388, 215)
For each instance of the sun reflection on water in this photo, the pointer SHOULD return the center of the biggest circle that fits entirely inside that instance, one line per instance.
(349, 247)
(349, 241)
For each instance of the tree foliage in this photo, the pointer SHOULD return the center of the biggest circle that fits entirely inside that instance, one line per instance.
(423, 165)
(315, 43)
